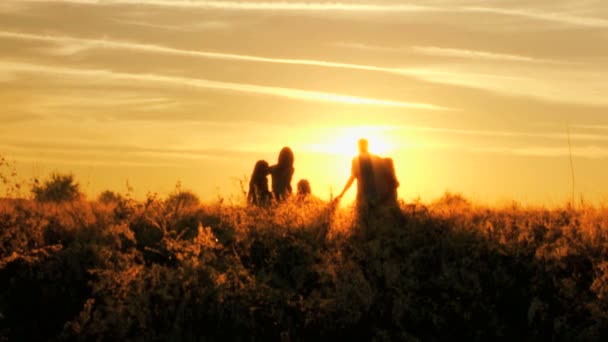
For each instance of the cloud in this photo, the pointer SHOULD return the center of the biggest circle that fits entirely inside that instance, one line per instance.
(191, 27)
(368, 47)
(552, 85)
(476, 54)
(591, 152)
(522, 79)
(563, 18)
(517, 84)
(591, 127)
(505, 134)
(72, 45)
(258, 6)
(556, 17)
(290, 93)
(81, 152)
(79, 145)
(124, 100)
(447, 52)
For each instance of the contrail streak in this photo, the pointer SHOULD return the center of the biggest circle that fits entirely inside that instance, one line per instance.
(297, 94)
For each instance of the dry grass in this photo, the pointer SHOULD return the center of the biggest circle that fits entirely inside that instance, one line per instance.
(178, 270)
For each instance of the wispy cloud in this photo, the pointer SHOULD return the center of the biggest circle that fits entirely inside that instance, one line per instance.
(89, 147)
(564, 18)
(557, 17)
(296, 94)
(476, 54)
(592, 127)
(58, 103)
(368, 47)
(505, 134)
(552, 86)
(258, 6)
(71, 45)
(187, 27)
(592, 152)
(528, 82)
(447, 52)
(89, 152)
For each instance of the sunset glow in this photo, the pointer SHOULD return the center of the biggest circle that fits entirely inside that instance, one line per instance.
(497, 100)
(343, 141)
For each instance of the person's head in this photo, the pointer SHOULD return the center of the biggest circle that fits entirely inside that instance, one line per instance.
(363, 146)
(286, 157)
(261, 169)
(304, 188)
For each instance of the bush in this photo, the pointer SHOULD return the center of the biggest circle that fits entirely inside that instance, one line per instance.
(182, 199)
(109, 197)
(59, 188)
(163, 271)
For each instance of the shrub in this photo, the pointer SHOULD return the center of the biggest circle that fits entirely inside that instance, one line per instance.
(165, 271)
(109, 197)
(59, 188)
(182, 199)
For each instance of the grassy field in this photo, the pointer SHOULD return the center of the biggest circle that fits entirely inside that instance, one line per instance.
(175, 269)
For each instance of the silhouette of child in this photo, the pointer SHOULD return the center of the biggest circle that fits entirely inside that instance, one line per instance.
(258, 185)
(282, 174)
(304, 189)
(304, 197)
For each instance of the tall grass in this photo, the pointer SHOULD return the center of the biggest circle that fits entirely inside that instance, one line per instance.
(167, 269)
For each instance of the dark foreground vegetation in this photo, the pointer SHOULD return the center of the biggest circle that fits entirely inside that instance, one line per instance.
(175, 270)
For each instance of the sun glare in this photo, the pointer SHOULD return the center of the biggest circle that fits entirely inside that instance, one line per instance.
(344, 141)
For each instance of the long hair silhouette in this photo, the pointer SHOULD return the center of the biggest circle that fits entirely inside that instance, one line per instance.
(259, 194)
(282, 174)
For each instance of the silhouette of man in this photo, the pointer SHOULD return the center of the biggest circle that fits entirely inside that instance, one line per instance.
(362, 170)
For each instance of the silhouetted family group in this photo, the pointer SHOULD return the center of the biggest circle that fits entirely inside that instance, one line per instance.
(376, 180)
(281, 173)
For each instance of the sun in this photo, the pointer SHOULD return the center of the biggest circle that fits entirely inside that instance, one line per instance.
(344, 141)
(325, 153)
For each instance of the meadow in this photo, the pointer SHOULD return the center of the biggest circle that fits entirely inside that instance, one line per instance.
(174, 269)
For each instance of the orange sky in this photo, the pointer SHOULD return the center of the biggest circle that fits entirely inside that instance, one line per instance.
(468, 96)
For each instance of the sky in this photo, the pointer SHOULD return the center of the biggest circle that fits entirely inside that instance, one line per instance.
(474, 97)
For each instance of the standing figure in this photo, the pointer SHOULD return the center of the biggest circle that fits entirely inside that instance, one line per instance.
(362, 170)
(386, 182)
(259, 194)
(376, 184)
(281, 174)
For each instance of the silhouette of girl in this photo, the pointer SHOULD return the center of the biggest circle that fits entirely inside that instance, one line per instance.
(258, 185)
(281, 174)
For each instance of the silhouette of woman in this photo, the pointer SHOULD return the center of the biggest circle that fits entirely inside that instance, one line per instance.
(281, 174)
(258, 185)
